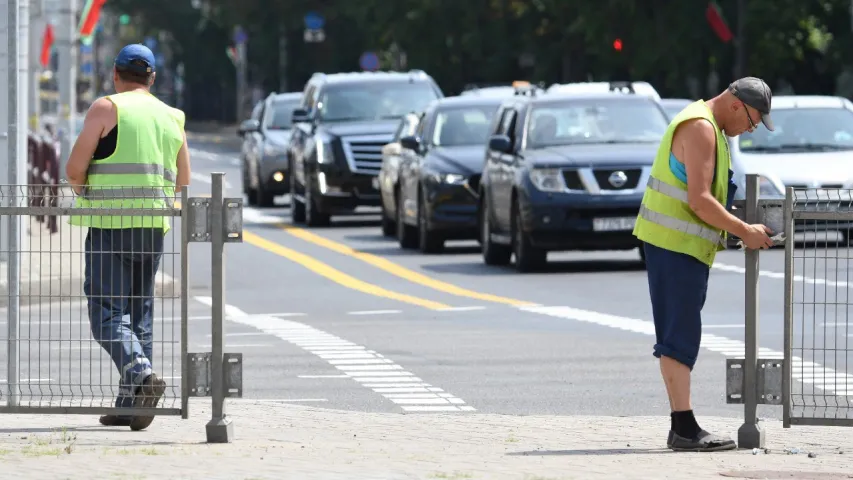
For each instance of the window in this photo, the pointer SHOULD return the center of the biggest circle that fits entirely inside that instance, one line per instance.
(280, 115)
(802, 129)
(374, 101)
(595, 121)
(462, 126)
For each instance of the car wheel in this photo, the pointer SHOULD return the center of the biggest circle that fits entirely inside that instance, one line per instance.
(313, 217)
(527, 257)
(493, 253)
(251, 194)
(297, 208)
(388, 225)
(264, 197)
(406, 234)
(428, 241)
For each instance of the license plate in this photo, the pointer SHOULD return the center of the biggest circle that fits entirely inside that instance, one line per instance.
(612, 224)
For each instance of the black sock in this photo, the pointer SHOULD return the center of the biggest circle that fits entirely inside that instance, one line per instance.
(684, 424)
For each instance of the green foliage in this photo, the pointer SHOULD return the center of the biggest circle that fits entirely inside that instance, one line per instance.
(461, 41)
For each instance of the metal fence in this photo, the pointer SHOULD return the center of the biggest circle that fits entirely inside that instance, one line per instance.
(67, 338)
(818, 308)
(813, 381)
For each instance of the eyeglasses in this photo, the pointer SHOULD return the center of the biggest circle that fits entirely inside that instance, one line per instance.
(752, 125)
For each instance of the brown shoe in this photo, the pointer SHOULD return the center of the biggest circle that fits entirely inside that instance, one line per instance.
(114, 421)
(147, 396)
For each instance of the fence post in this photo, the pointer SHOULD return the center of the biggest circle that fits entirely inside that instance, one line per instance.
(220, 428)
(750, 434)
(787, 366)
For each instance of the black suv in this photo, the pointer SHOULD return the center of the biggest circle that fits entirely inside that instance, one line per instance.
(340, 128)
(566, 172)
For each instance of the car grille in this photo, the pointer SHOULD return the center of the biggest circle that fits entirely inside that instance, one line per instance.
(364, 153)
(573, 180)
(602, 176)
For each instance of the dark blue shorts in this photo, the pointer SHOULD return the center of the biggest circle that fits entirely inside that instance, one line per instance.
(678, 284)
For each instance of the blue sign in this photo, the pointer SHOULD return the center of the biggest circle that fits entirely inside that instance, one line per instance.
(369, 61)
(150, 42)
(85, 49)
(314, 21)
(86, 68)
(240, 36)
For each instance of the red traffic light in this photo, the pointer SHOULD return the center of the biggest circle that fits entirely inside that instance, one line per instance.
(617, 45)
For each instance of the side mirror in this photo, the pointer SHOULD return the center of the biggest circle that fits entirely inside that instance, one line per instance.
(411, 143)
(500, 143)
(247, 126)
(301, 115)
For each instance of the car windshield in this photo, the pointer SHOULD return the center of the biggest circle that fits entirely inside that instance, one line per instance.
(374, 101)
(802, 129)
(463, 126)
(280, 115)
(673, 109)
(595, 121)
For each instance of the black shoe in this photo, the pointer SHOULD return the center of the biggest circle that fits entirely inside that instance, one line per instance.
(114, 421)
(147, 396)
(703, 442)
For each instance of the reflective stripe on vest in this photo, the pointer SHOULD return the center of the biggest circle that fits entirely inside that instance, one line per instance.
(132, 169)
(126, 193)
(676, 223)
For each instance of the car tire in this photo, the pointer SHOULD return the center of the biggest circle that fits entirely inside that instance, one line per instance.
(251, 195)
(389, 227)
(428, 241)
(493, 253)
(313, 216)
(297, 208)
(527, 257)
(406, 234)
(265, 198)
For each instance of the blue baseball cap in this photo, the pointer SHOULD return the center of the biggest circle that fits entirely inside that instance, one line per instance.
(136, 58)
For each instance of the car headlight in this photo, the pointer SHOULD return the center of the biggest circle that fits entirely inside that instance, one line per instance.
(271, 149)
(324, 152)
(448, 178)
(548, 179)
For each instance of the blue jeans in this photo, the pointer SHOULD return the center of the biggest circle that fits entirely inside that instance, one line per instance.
(121, 265)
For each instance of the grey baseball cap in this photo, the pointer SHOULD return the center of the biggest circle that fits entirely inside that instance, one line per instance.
(755, 93)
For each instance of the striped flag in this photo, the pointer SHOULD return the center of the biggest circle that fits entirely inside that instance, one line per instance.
(89, 17)
(46, 45)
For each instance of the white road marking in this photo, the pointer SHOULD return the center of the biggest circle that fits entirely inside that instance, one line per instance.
(285, 400)
(288, 314)
(460, 309)
(240, 345)
(308, 338)
(725, 346)
(246, 334)
(781, 276)
(374, 312)
(322, 376)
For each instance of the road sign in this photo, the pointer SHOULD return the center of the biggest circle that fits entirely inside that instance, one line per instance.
(240, 35)
(314, 21)
(369, 61)
(314, 36)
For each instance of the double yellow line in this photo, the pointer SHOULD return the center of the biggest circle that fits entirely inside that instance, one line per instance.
(381, 263)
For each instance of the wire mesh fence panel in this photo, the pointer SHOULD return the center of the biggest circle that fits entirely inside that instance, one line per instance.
(94, 325)
(819, 316)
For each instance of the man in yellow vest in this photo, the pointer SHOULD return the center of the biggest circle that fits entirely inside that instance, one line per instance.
(682, 223)
(131, 153)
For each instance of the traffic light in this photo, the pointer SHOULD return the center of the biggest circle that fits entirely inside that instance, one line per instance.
(617, 44)
(124, 19)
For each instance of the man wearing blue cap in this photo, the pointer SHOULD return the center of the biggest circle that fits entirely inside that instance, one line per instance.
(131, 154)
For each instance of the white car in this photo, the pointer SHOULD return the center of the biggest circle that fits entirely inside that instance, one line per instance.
(811, 147)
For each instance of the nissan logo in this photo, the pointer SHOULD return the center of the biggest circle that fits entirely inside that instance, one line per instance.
(618, 179)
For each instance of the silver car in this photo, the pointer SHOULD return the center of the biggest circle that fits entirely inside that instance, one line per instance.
(811, 147)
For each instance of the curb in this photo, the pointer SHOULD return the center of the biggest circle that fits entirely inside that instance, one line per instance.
(53, 289)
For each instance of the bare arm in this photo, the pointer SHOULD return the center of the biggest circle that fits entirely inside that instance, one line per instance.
(99, 115)
(700, 162)
(183, 166)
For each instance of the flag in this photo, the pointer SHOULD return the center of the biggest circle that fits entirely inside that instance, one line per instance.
(89, 17)
(232, 54)
(46, 44)
(717, 22)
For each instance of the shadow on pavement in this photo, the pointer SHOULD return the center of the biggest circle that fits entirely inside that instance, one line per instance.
(600, 451)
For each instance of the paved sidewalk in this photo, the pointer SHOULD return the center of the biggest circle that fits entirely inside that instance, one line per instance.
(275, 440)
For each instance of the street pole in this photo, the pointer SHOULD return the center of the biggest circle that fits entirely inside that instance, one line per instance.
(740, 41)
(65, 44)
(282, 59)
(37, 24)
(17, 36)
(241, 80)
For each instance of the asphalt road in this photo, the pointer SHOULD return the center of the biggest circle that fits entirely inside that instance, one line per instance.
(341, 317)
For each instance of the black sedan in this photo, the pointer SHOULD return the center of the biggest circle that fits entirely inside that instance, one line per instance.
(440, 172)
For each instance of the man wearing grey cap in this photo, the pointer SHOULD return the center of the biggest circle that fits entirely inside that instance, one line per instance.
(131, 154)
(682, 224)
